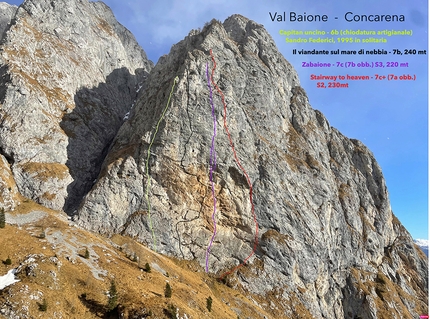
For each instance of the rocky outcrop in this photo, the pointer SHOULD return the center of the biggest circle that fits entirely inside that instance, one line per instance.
(329, 244)
(7, 12)
(69, 74)
(9, 195)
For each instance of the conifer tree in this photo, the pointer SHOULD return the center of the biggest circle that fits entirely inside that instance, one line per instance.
(8, 261)
(168, 291)
(2, 218)
(113, 297)
(147, 267)
(43, 306)
(209, 303)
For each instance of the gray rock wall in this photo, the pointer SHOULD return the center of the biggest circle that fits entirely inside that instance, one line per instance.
(327, 234)
(7, 12)
(70, 73)
(329, 245)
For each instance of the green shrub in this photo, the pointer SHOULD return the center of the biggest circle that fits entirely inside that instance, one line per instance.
(147, 268)
(8, 261)
(2, 218)
(113, 297)
(171, 311)
(168, 291)
(86, 254)
(43, 306)
(209, 303)
(42, 234)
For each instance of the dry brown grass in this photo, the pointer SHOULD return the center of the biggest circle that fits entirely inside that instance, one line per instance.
(273, 234)
(344, 191)
(137, 289)
(103, 25)
(49, 196)
(45, 171)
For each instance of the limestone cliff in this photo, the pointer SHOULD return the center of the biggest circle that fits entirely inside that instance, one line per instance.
(7, 12)
(69, 73)
(329, 244)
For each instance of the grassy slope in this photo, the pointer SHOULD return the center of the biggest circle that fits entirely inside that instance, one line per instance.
(63, 281)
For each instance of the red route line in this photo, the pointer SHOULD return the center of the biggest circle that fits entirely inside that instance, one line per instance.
(240, 166)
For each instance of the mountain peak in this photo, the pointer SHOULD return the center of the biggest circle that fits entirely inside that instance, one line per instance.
(219, 159)
(321, 202)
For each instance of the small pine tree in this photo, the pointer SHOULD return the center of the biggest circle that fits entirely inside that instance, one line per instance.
(43, 306)
(134, 257)
(113, 297)
(2, 218)
(168, 291)
(86, 254)
(209, 303)
(8, 261)
(147, 268)
(172, 311)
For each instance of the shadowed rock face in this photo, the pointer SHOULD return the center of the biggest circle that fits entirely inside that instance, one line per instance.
(329, 244)
(70, 73)
(7, 12)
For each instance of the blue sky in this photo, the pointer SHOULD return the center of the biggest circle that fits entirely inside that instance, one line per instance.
(390, 117)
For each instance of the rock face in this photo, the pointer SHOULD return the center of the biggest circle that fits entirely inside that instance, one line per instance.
(9, 195)
(69, 73)
(329, 244)
(7, 12)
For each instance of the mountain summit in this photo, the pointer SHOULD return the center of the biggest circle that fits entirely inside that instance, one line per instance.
(326, 229)
(212, 155)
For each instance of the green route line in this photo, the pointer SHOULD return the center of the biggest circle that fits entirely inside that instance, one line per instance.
(148, 184)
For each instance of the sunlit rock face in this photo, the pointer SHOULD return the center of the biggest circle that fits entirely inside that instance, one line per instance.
(80, 105)
(329, 245)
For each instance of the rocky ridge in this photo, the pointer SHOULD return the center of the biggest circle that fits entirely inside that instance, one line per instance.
(329, 240)
(329, 244)
(69, 74)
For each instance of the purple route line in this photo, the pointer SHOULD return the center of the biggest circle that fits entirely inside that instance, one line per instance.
(212, 165)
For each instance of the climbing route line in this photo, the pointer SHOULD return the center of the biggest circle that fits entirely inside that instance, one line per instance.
(212, 165)
(148, 179)
(242, 169)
